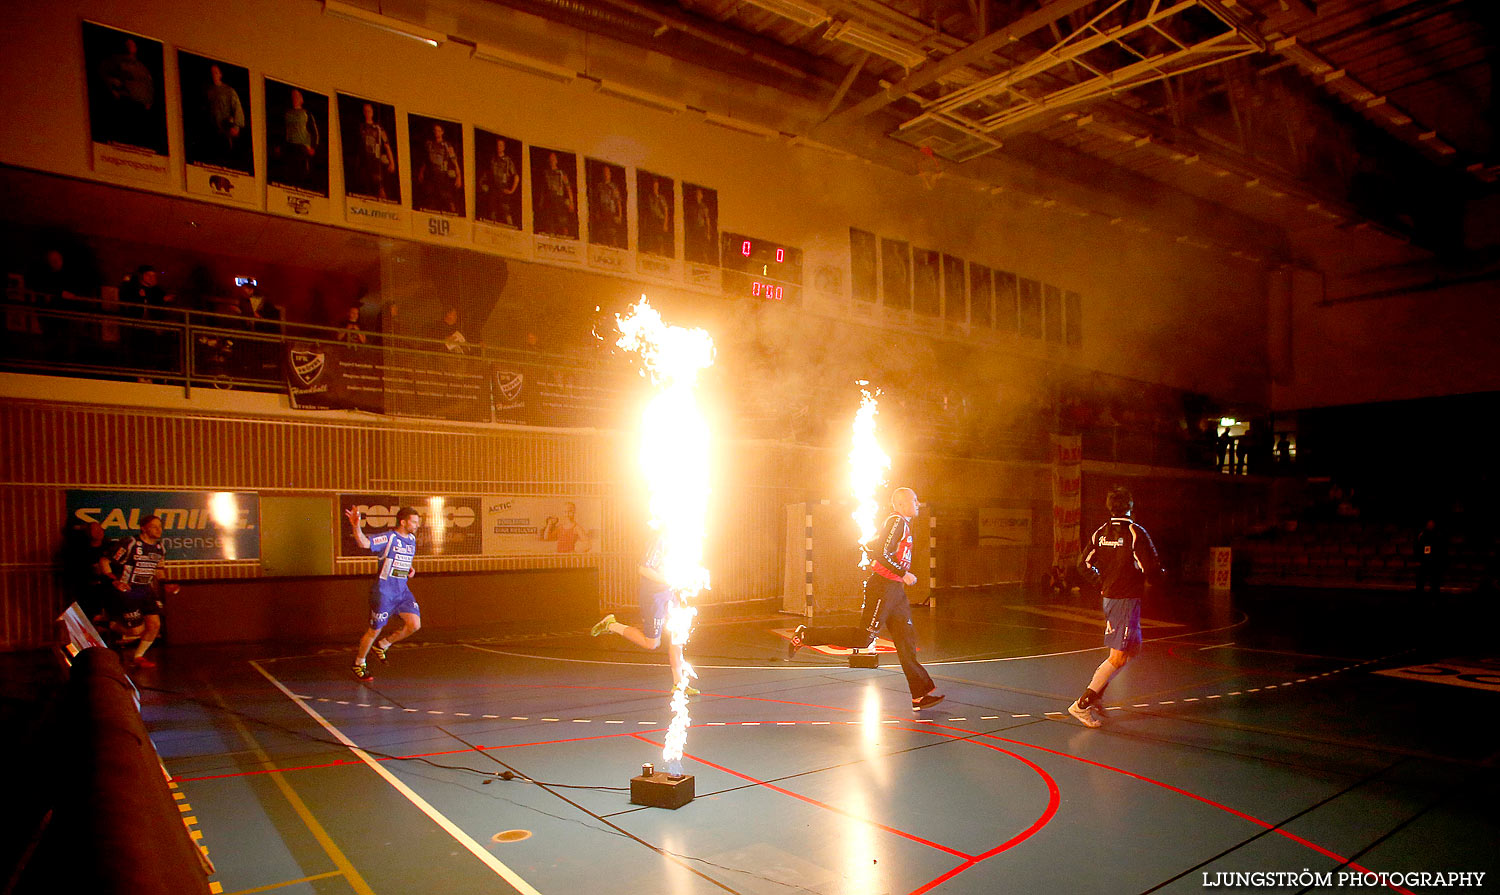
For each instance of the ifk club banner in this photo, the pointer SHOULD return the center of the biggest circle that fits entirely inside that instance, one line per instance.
(196, 525)
(1067, 497)
(518, 525)
(449, 525)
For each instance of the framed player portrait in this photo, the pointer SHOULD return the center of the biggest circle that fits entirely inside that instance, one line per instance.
(497, 189)
(700, 224)
(216, 124)
(296, 138)
(607, 203)
(369, 152)
(554, 192)
(437, 165)
(126, 89)
(655, 198)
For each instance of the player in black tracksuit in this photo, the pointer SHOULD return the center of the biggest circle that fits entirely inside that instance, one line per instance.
(884, 604)
(1122, 559)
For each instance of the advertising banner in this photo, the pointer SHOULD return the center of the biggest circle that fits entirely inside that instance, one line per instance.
(1005, 526)
(517, 525)
(196, 525)
(449, 526)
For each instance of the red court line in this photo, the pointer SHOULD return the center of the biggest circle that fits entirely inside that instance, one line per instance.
(1054, 800)
(334, 764)
(1192, 795)
(970, 860)
(824, 805)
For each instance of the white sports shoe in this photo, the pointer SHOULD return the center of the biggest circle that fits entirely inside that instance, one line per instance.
(1084, 716)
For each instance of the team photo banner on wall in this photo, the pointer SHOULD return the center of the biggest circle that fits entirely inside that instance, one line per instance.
(297, 151)
(518, 525)
(196, 525)
(450, 525)
(216, 128)
(372, 172)
(127, 104)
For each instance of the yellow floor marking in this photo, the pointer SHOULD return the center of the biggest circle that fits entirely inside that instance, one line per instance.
(330, 848)
(290, 882)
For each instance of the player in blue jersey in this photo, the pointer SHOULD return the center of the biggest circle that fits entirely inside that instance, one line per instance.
(134, 568)
(389, 594)
(1121, 558)
(656, 598)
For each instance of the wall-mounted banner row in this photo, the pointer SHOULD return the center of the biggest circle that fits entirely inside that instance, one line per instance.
(401, 171)
(196, 525)
(491, 525)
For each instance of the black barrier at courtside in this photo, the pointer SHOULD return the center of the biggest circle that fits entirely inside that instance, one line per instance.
(115, 827)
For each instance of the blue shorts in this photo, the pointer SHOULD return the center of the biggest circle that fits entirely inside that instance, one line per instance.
(655, 598)
(389, 598)
(1122, 625)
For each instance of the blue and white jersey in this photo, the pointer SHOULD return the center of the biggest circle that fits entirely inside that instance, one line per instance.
(397, 551)
(137, 561)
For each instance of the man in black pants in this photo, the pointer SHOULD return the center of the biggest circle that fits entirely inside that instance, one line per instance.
(885, 604)
(1122, 559)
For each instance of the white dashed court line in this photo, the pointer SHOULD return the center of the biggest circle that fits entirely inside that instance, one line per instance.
(1138, 705)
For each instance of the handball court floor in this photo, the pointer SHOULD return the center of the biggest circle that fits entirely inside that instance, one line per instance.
(1261, 734)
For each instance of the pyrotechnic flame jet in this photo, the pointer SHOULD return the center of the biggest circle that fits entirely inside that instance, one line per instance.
(867, 468)
(674, 450)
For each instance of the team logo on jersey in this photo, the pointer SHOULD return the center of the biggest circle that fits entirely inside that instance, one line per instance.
(307, 365)
(509, 382)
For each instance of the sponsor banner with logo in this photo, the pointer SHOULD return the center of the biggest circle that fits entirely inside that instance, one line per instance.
(296, 203)
(450, 525)
(1005, 526)
(196, 525)
(535, 395)
(376, 213)
(326, 376)
(517, 525)
(1067, 499)
(449, 386)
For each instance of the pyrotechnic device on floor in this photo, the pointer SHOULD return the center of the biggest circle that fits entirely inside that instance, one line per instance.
(658, 789)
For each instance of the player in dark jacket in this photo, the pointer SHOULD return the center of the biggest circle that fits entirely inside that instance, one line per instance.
(885, 604)
(1122, 559)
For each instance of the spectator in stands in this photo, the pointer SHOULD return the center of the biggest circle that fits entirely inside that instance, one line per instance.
(56, 285)
(142, 292)
(143, 297)
(449, 331)
(56, 282)
(352, 333)
(1432, 557)
(260, 358)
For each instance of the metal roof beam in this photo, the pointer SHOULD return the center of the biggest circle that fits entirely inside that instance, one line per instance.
(974, 52)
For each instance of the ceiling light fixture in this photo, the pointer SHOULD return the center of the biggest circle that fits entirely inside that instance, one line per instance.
(641, 97)
(808, 15)
(881, 44)
(499, 56)
(352, 13)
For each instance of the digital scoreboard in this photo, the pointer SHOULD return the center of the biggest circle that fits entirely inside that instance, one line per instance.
(758, 268)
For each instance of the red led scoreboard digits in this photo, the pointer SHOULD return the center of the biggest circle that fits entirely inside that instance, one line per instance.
(760, 269)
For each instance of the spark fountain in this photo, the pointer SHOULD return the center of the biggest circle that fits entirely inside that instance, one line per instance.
(674, 451)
